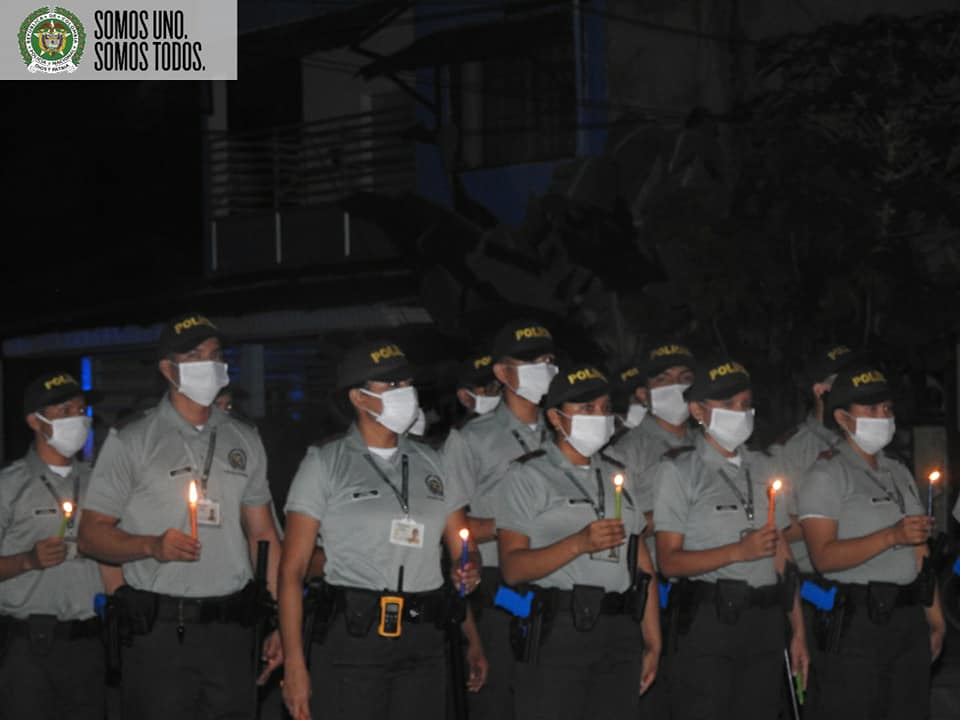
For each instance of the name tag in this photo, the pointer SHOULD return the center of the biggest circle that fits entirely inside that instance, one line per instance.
(181, 471)
(208, 512)
(44, 512)
(365, 494)
(726, 508)
(579, 501)
(881, 500)
(407, 532)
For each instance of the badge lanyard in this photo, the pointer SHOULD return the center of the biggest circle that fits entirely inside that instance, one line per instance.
(522, 443)
(402, 495)
(898, 496)
(207, 463)
(60, 501)
(598, 507)
(747, 501)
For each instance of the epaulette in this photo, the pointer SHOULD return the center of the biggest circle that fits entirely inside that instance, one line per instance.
(526, 457)
(782, 439)
(242, 419)
(827, 454)
(613, 461)
(674, 453)
(129, 419)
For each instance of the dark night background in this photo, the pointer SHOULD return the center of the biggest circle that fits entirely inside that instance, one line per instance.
(757, 176)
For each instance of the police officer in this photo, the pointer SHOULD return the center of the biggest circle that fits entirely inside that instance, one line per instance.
(866, 531)
(562, 528)
(799, 449)
(384, 506)
(628, 410)
(478, 391)
(476, 456)
(188, 600)
(51, 660)
(727, 619)
(667, 371)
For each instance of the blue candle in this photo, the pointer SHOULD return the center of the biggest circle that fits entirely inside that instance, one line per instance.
(932, 478)
(464, 536)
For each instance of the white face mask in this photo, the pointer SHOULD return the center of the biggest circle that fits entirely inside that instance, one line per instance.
(667, 403)
(202, 380)
(635, 415)
(69, 434)
(874, 434)
(534, 380)
(730, 428)
(399, 408)
(419, 426)
(483, 404)
(589, 433)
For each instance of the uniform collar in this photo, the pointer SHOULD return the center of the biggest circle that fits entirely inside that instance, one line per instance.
(506, 418)
(650, 426)
(821, 431)
(170, 415)
(557, 457)
(38, 467)
(850, 455)
(711, 456)
(356, 442)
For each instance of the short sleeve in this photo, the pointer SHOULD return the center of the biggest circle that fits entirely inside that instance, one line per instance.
(460, 466)
(113, 477)
(6, 503)
(307, 491)
(820, 495)
(257, 491)
(671, 504)
(516, 501)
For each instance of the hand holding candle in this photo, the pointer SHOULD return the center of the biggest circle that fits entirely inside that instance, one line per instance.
(193, 508)
(772, 504)
(464, 537)
(618, 496)
(67, 514)
(932, 478)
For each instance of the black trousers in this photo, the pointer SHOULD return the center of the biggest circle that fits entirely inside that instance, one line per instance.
(379, 678)
(583, 675)
(881, 672)
(64, 680)
(495, 699)
(207, 677)
(729, 671)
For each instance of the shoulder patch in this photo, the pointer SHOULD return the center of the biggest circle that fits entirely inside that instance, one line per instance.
(613, 461)
(129, 419)
(674, 453)
(530, 456)
(782, 439)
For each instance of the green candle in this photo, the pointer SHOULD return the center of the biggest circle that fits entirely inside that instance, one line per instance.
(618, 496)
(67, 514)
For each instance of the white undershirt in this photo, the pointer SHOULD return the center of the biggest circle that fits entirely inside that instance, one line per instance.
(61, 470)
(735, 460)
(385, 453)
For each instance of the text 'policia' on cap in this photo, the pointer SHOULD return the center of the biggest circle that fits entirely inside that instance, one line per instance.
(522, 339)
(576, 383)
(828, 360)
(475, 371)
(184, 332)
(861, 384)
(665, 355)
(718, 379)
(50, 389)
(373, 360)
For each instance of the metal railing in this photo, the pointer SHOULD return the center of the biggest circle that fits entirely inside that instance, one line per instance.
(310, 164)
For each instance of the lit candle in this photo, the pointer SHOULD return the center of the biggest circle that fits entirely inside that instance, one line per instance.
(932, 477)
(464, 536)
(67, 514)
(193, 508)
(618, 496)
(774, 488)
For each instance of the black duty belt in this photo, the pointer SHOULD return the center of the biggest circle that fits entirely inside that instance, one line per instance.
(613, 603)
(761, 597)
(858, 595)
(224, 609)
(427, 607)
(62, 630)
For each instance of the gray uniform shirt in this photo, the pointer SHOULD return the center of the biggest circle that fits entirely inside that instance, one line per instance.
(338, 485)
(477, 455)
(29, 513)
(142, 477)
(538, 498)
(641, 450)
(693, 498)
(844, 488)
(796, 456)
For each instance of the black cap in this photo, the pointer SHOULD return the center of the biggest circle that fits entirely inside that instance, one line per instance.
(576, 383)
(828, 360)
(522, 339)
(862, 383)
(372, 360)
(628, 378)
(184, 332)
(718, 378)
(663, 355)
(50, 389)
(475, 371)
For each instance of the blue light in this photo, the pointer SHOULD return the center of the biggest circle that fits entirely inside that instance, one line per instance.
(86, 382)
(296, 395)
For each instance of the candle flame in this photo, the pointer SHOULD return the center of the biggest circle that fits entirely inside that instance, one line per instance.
(464, 534)
(934, 476)
(618, 480)
(193, 492)
(67, 508)
(777, 484)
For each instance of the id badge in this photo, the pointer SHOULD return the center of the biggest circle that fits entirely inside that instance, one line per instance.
(407, 532)
(208, 512)
(612, 555)
(71, 544)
